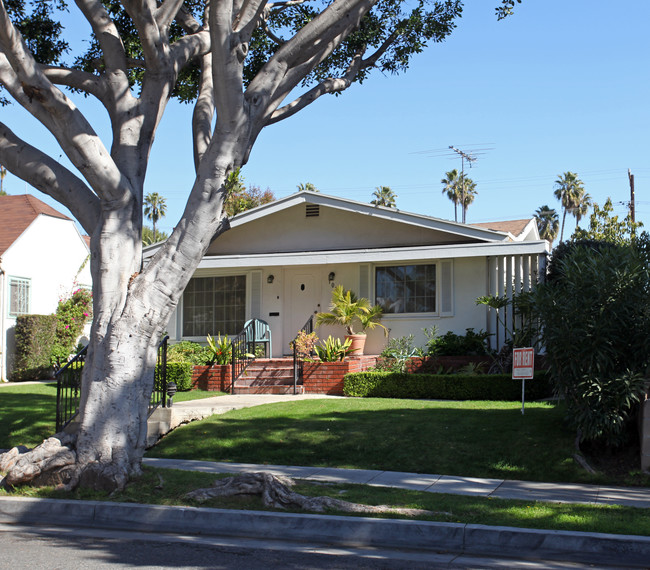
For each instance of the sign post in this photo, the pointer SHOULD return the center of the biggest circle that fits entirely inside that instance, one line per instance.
(523, 367)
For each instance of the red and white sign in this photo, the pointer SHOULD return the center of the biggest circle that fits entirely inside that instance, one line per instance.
(523, 363)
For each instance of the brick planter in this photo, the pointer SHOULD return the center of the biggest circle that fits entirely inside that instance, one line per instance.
(327, 377)
(216, 378)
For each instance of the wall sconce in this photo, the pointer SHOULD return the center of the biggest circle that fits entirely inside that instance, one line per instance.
(331, 277)
(270, 279)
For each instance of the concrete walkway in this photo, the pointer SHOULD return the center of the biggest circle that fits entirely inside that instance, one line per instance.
(473, 486)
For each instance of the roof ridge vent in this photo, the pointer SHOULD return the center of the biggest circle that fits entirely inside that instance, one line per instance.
(312, 210)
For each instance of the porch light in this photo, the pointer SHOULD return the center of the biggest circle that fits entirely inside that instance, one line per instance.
(270, 279)
(331, 277)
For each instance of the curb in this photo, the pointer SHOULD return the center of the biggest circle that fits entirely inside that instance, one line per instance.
(333, 530)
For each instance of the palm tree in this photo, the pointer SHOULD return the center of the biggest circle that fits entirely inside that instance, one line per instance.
(154, 208)
(307, 187)
(548, 223)
(452, 189)
(467, 193)
(570, 191)
(384, 196)
(581, 207)
(3, 173)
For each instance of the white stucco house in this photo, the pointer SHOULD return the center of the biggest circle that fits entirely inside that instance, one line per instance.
(280, 261)
(41, 258)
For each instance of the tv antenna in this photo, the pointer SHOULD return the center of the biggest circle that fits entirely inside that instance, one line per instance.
(470, 156)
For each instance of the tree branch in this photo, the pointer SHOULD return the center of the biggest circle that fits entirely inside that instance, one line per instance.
(76, 79)
(203, 112)
(106, 34)
(23, 78)
(297, 57)
(48, 176)
(167, 12)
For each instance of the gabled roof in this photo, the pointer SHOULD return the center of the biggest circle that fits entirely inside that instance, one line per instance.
(17, 213)
(466, 230)
(518, 229)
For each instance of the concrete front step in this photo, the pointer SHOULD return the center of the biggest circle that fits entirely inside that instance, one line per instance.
(275, 381)
(267, 376)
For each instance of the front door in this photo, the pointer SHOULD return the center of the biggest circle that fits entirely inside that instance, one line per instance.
(302, 300)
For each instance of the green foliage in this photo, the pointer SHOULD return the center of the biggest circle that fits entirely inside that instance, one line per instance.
(444, 386)
(332, 349)
(181, 374)
(220, 349)
(346, 309)
(603, 226)
(35, 338)
(239, 199)
(524, 328)
(191, 352)
(384, 196)
(148, 237)
(452, 344)
(72, 315)
(595, 314)
(397, 354)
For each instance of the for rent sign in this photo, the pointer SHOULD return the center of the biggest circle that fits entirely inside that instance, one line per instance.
(523, 363)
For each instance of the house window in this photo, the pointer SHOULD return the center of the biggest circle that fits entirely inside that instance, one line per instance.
(214, 305)
(19, 293)
(406, 288)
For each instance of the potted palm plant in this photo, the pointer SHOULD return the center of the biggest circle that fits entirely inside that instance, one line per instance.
(355, 314)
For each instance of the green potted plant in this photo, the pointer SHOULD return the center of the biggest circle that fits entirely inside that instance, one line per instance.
(355, 314)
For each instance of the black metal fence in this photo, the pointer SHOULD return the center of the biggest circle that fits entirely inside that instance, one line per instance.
(68, 386)
(298, 360)
(160, 386)
(68, 389)
(240, 357)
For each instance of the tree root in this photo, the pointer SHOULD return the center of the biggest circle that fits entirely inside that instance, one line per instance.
(276, 492)
(50, 463)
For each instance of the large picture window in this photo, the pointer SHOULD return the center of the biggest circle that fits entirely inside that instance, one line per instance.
(19, 293)
(214, 305)
(406, 288)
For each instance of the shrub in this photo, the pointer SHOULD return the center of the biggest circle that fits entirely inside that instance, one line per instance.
(397, 354)
(220, 349)
(181, 374)
(35, 337)
(332, 349)
(451, 344)
(444, 386)
(72, 314)
(595, 314)
(191, 352)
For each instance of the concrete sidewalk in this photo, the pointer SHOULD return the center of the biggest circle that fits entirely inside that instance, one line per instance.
(499, 488)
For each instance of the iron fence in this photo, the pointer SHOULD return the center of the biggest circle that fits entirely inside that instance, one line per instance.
(68, 389)
(298, 360)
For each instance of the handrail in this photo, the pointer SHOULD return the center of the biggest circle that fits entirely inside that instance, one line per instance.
(298, 363)
(159, 391)
(240, 358)
(68, 389)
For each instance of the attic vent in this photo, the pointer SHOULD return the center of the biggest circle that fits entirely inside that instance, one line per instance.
(312, 210)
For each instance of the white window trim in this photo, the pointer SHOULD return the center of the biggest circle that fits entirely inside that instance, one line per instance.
(28, 281)
(437, 314)
(180, 308)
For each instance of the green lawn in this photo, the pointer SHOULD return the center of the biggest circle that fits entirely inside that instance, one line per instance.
(167, 487)
(479, 439)
(28, 412)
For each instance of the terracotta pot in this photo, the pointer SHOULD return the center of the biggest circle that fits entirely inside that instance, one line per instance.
(358, 344)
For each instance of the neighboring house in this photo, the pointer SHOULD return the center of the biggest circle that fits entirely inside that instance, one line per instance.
(41, 258)
(280, 261)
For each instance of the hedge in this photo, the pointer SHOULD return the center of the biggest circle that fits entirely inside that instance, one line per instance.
(35, 337)
(181, 374)
(444, 386)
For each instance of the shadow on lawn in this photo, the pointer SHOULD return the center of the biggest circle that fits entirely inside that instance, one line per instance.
(494, 442)
(27, 418)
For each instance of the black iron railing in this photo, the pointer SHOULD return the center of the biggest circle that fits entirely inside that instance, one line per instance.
(159, 394)
(68, 389)
(241, 358)
(299, 359)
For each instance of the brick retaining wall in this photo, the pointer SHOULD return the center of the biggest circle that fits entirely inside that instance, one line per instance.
(327, 377)
(216, 378)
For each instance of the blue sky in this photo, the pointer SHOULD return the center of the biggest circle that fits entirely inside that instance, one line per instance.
(561, 85)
